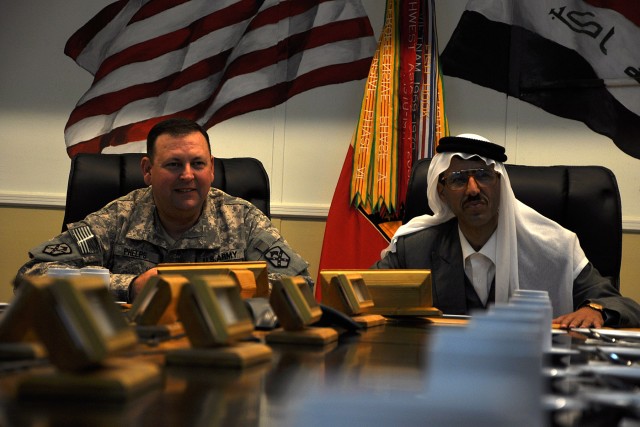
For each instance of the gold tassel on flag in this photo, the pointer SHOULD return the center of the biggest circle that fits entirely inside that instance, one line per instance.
(375, 141)
(402, 113)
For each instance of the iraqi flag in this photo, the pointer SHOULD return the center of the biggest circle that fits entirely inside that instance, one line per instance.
(572, 58)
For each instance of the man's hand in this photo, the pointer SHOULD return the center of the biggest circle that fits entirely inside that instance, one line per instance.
(139, 282)
(584, 317)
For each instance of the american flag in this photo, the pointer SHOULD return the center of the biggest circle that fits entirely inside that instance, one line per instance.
(207, 60)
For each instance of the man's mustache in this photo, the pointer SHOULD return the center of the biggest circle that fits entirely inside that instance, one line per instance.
(475, 198)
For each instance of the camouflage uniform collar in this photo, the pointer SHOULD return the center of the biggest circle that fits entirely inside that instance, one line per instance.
(145, 225)
(142, 221)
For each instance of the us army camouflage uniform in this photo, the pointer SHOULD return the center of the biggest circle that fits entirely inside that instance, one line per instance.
(126, 237)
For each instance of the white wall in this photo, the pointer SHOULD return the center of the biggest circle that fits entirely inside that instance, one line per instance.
(302, 142)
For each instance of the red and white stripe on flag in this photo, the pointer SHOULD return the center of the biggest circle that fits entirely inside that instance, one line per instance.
(207, 61)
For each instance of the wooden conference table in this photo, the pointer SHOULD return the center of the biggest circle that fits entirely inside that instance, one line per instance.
(382, 359)
(387, 357)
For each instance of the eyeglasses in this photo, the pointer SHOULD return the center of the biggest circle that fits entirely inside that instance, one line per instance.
(459, 179)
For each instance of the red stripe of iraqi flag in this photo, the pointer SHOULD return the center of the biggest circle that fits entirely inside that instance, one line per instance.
(630, 9)
(351, 241)
(522, 64)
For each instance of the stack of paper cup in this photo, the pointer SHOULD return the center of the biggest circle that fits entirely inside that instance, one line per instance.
(97, 271)
(493, 366)
(63, 272)
(537, 300)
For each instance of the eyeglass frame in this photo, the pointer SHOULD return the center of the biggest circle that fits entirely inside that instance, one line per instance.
(468, 173)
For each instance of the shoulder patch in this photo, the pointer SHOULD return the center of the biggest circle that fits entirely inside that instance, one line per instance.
(85, 239)
(277, 257)
(57, 249)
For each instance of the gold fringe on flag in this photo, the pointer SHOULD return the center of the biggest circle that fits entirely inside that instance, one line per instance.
(376, 143)
(375, 138)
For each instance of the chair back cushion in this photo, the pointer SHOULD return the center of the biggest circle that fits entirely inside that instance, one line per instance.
(97, 179)
(584, 199)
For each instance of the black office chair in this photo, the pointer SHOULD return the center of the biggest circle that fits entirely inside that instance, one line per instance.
(97, 179)
(584, 199)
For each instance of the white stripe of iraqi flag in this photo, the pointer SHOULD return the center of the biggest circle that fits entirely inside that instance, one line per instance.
(570, 58)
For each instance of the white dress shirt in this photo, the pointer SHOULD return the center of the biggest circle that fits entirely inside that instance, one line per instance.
(480, 266)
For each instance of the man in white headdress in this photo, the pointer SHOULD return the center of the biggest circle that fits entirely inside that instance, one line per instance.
(482, 244)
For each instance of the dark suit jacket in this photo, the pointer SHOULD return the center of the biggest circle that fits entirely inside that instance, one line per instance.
(438, 249)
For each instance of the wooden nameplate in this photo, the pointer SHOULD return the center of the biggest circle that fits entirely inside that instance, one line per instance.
(149, 332)
(235, 356)
(307, 336)
(22, 351)
(112, 382)
(369, 320)
(406, 311)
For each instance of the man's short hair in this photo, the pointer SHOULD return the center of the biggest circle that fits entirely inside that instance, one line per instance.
(174, 127)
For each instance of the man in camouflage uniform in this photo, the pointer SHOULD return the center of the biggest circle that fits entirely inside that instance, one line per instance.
(178, 218)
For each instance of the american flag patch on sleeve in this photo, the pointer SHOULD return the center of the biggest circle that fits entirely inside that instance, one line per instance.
(86, 240)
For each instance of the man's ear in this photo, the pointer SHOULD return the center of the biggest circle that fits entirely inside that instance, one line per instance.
(145, 165)
(441, 191)
(213, 170)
